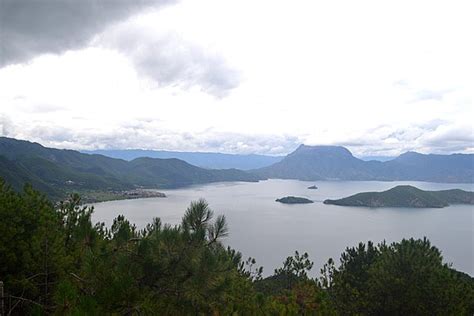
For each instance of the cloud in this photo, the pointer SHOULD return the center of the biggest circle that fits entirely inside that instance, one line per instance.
(203, 80)
(448, 139)
(6, 125)
(54, 134)
(44, 108)
(168, 59)
(426, 95)
(436, 136)
(150, 135)
(31, 28)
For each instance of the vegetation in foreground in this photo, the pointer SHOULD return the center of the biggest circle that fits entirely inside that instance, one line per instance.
(407, 196)
(55, 261)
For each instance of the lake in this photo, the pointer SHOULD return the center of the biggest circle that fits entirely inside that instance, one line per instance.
(271, 231)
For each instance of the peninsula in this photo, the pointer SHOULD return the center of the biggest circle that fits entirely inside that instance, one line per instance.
(407, 196)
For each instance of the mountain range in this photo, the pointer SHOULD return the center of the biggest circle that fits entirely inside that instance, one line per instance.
(56, 171)
(208, 160)
(338, 163)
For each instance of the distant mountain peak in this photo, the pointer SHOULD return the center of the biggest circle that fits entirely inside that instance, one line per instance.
(208, 160)
(322, 149)
(410, 154)
(337, 163)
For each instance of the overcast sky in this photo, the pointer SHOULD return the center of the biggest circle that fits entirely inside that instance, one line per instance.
(238, 76)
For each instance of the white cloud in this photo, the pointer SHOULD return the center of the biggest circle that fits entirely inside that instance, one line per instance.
(166, 57)
(378, 77)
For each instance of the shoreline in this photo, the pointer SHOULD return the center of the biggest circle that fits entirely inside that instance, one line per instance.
(93, 197)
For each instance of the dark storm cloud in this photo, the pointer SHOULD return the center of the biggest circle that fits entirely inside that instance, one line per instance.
(29, 28)
(33, 27)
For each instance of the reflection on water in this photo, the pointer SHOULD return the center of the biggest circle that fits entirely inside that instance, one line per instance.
(271, 231)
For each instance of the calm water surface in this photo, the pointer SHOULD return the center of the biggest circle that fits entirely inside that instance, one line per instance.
(270, 231)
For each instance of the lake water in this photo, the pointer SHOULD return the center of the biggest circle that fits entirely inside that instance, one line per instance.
(270, 231)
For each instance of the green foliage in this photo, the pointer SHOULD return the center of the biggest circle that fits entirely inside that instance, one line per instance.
(351, 296)
(406, 196)
(405, 278)
(32, 253)
(57, 172)
(295, 268)
(294, 200)
(55, 261)
(290, 291)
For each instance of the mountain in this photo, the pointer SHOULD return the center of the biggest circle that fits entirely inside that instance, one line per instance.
(337, 163)
(56, 171)
(206, 160)
(434, 168)
(320, 163)
(377, 158)
(407, 196)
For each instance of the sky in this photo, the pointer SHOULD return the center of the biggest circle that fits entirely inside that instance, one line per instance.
(239, 76)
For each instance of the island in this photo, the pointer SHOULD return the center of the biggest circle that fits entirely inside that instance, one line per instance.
(407, 196)
(313, 187)
(294, 200)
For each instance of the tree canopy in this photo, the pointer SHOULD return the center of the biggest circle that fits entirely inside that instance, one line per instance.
(54, 260)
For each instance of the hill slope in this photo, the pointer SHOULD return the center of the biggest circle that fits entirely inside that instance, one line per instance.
(206, 160)
(55, 171)
(337, 163)
(435, 168)
(407, 196)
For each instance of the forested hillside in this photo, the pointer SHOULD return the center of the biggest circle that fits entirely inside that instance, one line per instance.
(407, 196)
(54, 260)
(208, 160)
(57, 171)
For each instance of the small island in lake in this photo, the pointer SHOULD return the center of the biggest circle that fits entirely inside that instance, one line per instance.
(407, 196)
(313, 187)
(294, 200)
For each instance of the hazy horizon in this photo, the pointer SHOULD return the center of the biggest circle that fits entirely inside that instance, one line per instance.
(282, 155)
